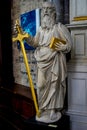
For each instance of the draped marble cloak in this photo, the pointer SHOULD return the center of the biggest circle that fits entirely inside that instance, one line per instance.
(52, 64)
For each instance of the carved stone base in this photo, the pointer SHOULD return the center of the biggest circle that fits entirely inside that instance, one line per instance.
(62, 124)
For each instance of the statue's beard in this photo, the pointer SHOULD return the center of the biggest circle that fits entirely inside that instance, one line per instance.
(47, 22)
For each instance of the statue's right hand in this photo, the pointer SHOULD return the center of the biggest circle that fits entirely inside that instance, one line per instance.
(15, 30)
(17, 27)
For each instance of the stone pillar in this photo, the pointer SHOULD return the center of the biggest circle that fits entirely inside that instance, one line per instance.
(66, 11)
(60, 10)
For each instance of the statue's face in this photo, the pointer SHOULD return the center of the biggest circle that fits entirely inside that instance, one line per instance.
(47, 11)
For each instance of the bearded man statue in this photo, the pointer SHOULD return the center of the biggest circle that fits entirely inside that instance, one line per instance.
(51, 64)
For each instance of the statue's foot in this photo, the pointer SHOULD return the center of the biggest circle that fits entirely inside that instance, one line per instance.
(53, 117)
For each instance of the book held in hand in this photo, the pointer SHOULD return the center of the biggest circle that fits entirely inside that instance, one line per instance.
(55, 40)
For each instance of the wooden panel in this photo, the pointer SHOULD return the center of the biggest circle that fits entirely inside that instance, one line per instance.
(0, 61)
(77, 93)
(79, 47)
(19, 100)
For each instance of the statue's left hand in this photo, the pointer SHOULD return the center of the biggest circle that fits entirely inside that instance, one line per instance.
(60, 46)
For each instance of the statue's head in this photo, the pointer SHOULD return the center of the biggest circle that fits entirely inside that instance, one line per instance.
(48, 8)
(48, 14)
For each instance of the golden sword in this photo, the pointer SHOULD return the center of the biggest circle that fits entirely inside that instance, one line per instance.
(20, 37)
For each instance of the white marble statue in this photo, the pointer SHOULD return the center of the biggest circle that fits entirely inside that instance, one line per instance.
(51, 65)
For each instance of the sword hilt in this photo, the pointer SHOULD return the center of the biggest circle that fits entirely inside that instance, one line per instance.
(21, 35)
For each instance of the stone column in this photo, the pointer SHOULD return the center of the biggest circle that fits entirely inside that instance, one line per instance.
(60, 10)
(66, 11)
